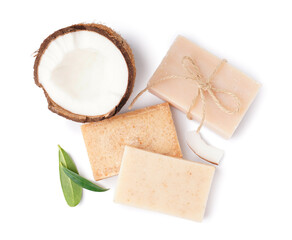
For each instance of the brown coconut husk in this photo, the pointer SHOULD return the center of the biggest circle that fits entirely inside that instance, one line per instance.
(121, 45)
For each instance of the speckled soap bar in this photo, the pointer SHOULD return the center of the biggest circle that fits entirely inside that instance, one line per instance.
(150, 128)
(165, 184)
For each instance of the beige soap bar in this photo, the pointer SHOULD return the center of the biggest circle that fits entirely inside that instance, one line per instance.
(180, 92)
(150, 128)
(165, 184)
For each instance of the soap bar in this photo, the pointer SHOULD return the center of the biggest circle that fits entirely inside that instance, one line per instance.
(150, 128)
(165, 184)
(180, 92)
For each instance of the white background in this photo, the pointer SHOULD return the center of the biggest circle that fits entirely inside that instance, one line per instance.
(251, 194)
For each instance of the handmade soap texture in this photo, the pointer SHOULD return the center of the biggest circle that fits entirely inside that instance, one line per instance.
(165, 184)
(150, 128)
(180, 92)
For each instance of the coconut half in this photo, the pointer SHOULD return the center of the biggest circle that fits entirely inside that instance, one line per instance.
(87, 72)
(202, 149)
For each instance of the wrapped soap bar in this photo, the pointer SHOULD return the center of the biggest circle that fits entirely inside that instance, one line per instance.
(228, 89)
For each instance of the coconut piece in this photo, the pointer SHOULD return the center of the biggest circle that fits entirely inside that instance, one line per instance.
(202, 149)
(87, 72)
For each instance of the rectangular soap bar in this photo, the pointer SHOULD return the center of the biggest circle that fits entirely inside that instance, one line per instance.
(165, 184)
(150, 128)
(180, 92)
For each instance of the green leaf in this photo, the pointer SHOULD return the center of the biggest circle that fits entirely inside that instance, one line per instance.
(82, 182)
(72, 192)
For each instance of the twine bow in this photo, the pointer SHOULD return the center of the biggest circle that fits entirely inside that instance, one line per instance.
(205, 85)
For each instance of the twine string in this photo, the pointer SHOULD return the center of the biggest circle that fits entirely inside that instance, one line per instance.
(204, 86)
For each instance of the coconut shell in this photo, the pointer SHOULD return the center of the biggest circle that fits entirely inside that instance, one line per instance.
(120, 43)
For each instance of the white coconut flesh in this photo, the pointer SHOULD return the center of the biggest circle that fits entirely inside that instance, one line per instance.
(202, 149)
(84, 73)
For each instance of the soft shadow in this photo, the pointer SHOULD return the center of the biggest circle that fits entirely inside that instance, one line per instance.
(110, 182)
(142, 68)
(213, 195)
(72, 126)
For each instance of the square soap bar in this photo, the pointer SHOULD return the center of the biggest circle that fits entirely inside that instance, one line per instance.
(180, 92)
(150, 128)
(165, 184)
